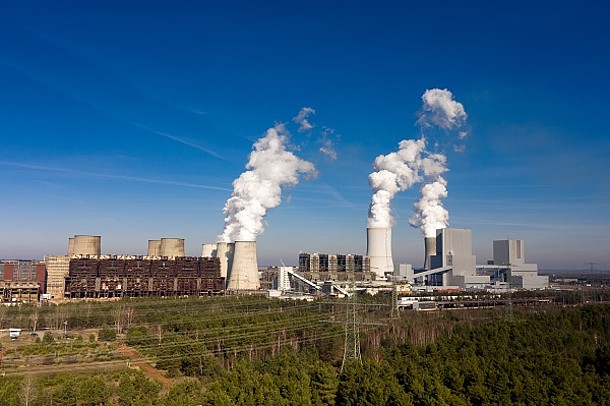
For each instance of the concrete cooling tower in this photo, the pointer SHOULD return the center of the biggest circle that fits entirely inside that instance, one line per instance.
(70, 246)
(171, 247)
(224, 251)
(379, 250)
(154, 248)
(430, 251)
(208, 250)
(244, 272)
(86, 245)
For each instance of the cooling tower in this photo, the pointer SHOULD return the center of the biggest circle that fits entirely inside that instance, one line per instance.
(171, 247)
(208, 250)
(244, 272)
(224, 251)
(379, 250)
(154, 248)
(70, 246)
(430, 251)
(86, 245)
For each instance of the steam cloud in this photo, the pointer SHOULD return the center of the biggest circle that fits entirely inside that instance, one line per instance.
(439, 110)
(394, 172)
(259, 189)
(302, 119)
(414, 163)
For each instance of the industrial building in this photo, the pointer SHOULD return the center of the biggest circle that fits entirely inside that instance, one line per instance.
(449, 262)
(132, 276)
(22, 280)
(58, 267)
(19, 291)
(319, 267)
(509, 266)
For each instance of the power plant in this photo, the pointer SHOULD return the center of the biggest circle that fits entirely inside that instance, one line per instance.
(228, 266)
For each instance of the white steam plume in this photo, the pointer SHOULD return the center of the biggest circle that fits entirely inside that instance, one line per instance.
(257, 190)
(441, 111)
(430, 215)
(302, 119)
(394, 172)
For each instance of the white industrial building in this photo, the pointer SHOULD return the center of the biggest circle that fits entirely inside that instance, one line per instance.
(451, 263)
(509, 260)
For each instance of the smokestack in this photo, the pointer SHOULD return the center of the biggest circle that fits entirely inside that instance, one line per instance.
(244, 271)
(430, 251)
(154, 248)
(171, 247)
(379, 250)
(224, 251)
(208, 250)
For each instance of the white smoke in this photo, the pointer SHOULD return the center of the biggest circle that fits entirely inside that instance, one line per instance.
(302, 119)
(394, 172)
(259, 189)
(438, 110)
(441, 110)
(430, 215)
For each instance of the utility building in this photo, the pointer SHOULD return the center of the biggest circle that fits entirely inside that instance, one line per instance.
(454, 253)
(509, 259)
(335, 267)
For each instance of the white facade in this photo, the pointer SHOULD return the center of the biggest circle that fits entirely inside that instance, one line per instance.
(58, 267)
(510, 254)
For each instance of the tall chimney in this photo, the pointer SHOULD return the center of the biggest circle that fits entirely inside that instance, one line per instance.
(430, 251)
(208, 250)
(244, 271)
(379, 250)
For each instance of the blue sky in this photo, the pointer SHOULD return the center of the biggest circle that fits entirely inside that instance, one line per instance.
(130, 120)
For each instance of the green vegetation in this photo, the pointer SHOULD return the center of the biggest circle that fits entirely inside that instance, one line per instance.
(254, 351)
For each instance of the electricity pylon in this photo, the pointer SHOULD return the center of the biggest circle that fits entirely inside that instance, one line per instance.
(352, 329)
(394, 313)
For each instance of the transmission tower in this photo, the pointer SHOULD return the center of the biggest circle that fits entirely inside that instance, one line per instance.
(394, 313)
(352, 329)
(508, 309)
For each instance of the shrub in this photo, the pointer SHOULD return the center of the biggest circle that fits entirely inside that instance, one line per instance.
(106, 334)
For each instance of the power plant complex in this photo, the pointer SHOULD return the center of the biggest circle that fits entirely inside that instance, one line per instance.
(232, 267)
